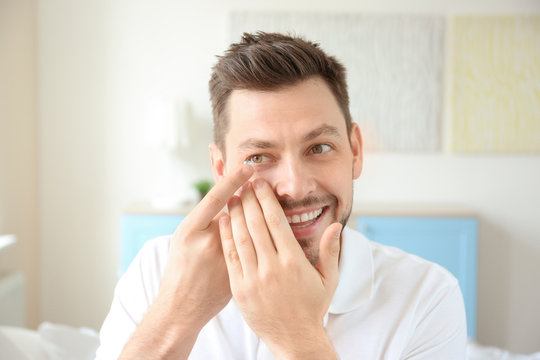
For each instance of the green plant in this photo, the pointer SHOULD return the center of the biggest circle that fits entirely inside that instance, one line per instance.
(203, 187)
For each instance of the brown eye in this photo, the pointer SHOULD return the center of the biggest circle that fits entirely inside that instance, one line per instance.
(258, 159)
(320, 148)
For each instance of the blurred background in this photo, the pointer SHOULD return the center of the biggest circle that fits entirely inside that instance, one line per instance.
(104, 104)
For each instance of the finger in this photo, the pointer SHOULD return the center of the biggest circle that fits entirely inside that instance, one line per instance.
(218, 196)
(242, 237)
(275, 218)
(234, 267)
(262, 241)
(329, 248)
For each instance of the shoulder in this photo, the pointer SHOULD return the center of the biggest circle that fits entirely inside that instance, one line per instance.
(392, 272)
(396, 265)
(152, 257)
(425, 285)
(155, 251)
(406, 306)
(134, 292)
(145, 271)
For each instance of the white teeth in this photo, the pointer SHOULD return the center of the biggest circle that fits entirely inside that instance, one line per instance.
(304, 217)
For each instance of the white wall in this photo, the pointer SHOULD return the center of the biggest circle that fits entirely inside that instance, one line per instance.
(78, 206)
(101, 62)
(18, 147)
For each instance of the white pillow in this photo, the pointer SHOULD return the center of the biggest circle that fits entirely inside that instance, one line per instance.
(69, 342)
(50, 342)
(21, 344)
(479, 352)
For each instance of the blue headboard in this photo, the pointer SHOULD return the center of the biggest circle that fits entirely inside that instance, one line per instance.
(448, 241)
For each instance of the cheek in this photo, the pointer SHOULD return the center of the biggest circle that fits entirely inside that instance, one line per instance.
(338, 181)
(267, 175)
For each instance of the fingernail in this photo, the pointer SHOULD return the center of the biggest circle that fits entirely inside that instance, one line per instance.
(248, 162)
(338, 232)
(235, 200)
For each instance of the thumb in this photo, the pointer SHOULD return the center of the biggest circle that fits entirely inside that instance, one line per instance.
(329, 253)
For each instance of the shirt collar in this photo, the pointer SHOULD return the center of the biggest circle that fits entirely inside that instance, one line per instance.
(356, 273)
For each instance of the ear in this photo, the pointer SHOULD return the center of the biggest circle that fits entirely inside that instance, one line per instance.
(218, 163)
(356, 148)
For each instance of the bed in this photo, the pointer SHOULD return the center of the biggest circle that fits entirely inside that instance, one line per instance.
(62, 342)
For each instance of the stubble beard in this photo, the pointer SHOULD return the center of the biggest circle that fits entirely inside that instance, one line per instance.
(310, 246)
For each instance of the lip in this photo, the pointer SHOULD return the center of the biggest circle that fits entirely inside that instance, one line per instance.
(307, 229)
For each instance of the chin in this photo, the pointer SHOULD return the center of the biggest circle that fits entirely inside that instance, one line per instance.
(311, 250)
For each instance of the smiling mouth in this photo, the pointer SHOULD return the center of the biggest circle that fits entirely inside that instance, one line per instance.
(304, 219)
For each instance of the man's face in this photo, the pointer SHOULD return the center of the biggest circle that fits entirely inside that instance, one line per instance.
(297, 139)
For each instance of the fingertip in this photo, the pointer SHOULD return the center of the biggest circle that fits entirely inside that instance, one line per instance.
(233, 201)
(333, 232)
(333, 243)
(244, 188)
(258, 183)
(338, 227)
(224, 220)
(247, 169)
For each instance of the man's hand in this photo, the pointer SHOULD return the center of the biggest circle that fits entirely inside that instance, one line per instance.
(195, 274)
(195, 284)
(281, 295)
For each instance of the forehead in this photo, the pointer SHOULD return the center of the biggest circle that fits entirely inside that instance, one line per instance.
(283, 114)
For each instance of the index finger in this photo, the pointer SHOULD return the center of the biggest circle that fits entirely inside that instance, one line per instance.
(217, 197)
(277, 223)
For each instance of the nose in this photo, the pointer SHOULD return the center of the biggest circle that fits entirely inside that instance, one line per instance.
(294, 179)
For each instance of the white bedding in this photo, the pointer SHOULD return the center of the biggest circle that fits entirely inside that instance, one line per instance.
(478, 352)
(49, 342)
(61, 342)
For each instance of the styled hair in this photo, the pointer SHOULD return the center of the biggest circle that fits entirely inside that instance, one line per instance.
(269, 62)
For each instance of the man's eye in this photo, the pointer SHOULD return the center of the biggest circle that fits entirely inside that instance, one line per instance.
(320, 148)
(258, 159)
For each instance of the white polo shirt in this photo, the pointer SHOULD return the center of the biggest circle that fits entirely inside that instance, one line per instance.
(388, 305)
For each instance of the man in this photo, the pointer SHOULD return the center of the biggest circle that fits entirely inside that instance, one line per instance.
(301, 287)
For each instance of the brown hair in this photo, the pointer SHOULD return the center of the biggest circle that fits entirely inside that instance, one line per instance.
(269, 61)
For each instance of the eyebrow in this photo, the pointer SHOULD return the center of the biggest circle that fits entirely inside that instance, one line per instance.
(326, 130)
(256, 144)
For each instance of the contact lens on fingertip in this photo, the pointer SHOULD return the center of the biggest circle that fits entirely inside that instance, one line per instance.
(248, 162)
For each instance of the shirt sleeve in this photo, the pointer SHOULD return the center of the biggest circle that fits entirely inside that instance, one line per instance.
(441, 330)
(133, 294)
